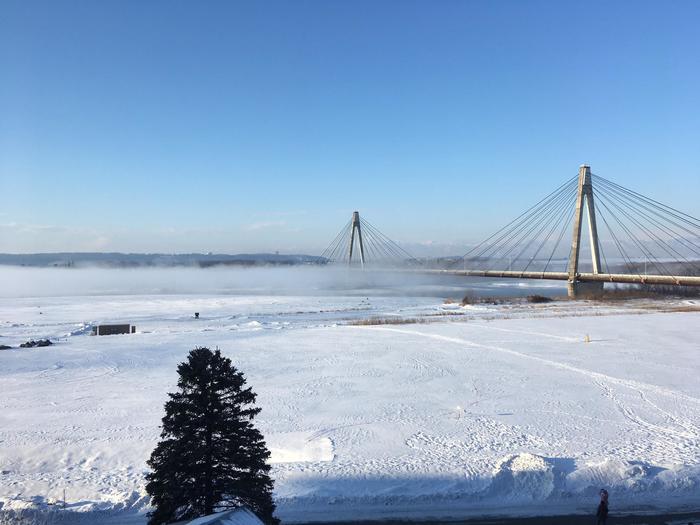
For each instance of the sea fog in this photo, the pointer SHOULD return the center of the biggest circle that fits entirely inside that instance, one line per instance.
(20, 282)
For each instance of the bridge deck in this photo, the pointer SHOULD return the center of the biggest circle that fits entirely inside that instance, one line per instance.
(681, 280)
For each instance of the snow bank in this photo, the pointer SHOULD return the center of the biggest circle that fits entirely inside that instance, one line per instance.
(298, 447)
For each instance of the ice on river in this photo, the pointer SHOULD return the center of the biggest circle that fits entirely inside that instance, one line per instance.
(490, 409)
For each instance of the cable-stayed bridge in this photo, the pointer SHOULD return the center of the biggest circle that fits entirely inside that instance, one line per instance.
(360, 242)
(631, 238)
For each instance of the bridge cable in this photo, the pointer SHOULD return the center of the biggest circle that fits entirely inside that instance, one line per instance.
(526, 212)
(369, 245)
(543, 218)
(390, 244)
(693, 221)
(517, 228)
(660, 225)
(602, 252)
(387, 251)
(503, 246)
(523, 233)
(376, 246)
(335, 239)
(563, 208)
(635, 240)
(640, 204)
(341, 245)
(565, 227)
(626, 259)
(657, 264)
(567, 211)
(670, 250)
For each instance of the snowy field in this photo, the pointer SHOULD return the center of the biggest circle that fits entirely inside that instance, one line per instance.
(470, 411)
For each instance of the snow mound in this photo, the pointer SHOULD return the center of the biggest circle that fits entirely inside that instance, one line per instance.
(522, 477)
(633, 477)
(296, 447)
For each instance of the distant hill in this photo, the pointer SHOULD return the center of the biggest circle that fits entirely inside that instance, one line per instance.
(134, 260)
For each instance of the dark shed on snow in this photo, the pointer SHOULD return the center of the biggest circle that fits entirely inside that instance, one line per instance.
(113, 329)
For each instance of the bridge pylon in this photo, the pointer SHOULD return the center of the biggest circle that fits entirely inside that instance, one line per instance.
(356, 226)
(584, 197)
(360, 237)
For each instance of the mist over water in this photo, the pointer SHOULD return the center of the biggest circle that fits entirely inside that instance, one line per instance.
(297, 280)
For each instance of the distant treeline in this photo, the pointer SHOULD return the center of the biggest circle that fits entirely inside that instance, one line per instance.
(137, 260)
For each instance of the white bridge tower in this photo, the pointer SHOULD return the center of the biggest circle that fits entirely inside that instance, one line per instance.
(355, 226)
(584, 194)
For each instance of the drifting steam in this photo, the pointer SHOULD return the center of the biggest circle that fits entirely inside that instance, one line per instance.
(297, 280)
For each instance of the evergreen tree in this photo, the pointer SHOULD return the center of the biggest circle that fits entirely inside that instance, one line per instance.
(210, 457)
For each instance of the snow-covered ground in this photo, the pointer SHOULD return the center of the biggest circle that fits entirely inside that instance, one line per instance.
(477, 410)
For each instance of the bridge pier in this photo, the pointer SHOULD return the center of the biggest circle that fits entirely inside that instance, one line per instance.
(578, 289)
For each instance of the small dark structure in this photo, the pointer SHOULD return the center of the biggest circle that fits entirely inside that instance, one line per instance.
(196, 315)
(113, 329)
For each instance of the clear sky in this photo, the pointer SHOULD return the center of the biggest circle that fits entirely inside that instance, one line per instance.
(259, 126)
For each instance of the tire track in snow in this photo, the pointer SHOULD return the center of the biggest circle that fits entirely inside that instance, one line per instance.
(675, 444)
(678, 420)
(689, 432)
(632, 416)
(528, 332)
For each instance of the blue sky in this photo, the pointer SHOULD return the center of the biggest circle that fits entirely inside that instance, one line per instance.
(259, 126)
